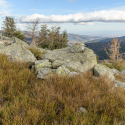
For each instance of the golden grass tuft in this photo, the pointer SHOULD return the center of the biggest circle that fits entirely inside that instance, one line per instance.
(27, 100)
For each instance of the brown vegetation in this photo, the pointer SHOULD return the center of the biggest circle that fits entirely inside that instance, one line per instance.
(27, 100)
(113, 50)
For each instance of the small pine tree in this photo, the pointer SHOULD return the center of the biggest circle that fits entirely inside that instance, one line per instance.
(9, 26)
(52, 39)
(113, 50)
(10, 30)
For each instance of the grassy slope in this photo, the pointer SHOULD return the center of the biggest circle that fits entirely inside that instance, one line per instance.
(27, 100)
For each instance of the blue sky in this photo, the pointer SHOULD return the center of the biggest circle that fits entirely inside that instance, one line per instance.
(92, 17)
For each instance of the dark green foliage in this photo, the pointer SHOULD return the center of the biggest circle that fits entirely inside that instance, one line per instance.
(98, 49)
(52, 39)
(114, 65)
(37, 53)
(9, 26)
(19, 35)
(10, 30)
(98, 61)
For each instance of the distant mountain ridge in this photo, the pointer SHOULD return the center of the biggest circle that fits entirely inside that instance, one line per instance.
(73, 38)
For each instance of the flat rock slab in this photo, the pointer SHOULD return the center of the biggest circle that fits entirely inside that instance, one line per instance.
(43, 73)
(42, 64)
(100, 69)
(86, 59)
(119, 84)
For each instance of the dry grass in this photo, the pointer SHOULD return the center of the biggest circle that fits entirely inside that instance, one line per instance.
(120, 77)
(27, 100)
(5, 41)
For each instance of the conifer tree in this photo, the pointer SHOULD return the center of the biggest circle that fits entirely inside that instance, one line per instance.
(52, 39)
(9, 26)
(113, 50)
(9, 29)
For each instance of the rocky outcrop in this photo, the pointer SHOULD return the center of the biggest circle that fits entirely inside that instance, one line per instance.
(44, 73)
(80, 62)
(123, 71)
(69, 61)
(119, 84)
(115, 72)
(16, 52)
(42, 64)
(62, 71)
(77, 48)
(100, 69)
(2, 45)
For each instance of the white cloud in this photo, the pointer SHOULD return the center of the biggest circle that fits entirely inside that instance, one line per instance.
(4, 7)
(1, 13)
(87, 23)
(78, 18)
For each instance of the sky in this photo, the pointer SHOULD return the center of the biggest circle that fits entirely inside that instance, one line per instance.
(84, 17)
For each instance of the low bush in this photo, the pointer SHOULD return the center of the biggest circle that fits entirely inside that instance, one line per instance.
(113, 65)
(37, 53)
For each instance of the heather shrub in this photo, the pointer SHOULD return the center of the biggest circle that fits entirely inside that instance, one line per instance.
(37, 53)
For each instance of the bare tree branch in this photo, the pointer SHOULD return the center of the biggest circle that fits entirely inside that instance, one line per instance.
(32, 30)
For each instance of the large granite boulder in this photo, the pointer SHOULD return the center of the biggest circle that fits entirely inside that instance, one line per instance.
(57, 63)
(80, 62)
(18, 41)
(13, 40)
(6, 38)
(77, 48)
(62, 71)
(119, 84)
(66, 61)
(44, 73)
(2, 45)
(42, 64)
(123, 71)
(115, 72)
(100, 69)
(17, 52)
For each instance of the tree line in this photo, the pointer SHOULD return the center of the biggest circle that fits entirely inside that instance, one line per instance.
(51, 38)
(45, 38)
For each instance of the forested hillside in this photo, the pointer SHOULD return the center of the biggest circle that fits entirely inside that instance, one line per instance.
(98, 48)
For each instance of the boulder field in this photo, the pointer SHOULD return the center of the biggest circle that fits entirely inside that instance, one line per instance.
(69, 61)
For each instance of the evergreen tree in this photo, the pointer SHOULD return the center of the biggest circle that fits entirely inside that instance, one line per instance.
(10, 30)
(9, 26)
(52, 39)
